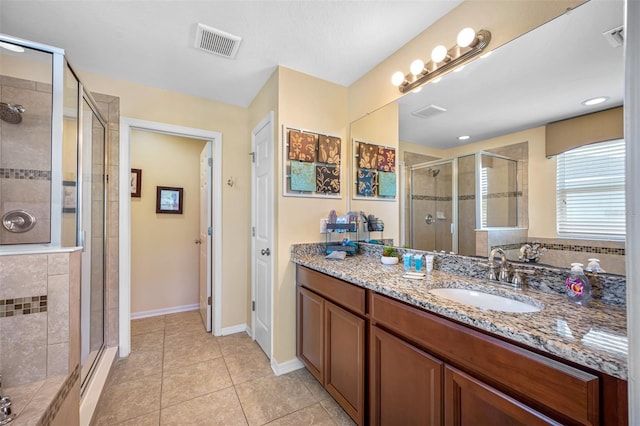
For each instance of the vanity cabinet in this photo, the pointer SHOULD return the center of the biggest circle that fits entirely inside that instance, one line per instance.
(332, 336)
(405, 382)
(485, 376)
(421, 368)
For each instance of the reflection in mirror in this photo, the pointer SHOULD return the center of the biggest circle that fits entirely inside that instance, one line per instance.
(504, 102)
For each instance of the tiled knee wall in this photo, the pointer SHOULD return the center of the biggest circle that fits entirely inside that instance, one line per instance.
(39, 327)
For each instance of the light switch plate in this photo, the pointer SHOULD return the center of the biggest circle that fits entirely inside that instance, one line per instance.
(323, 225)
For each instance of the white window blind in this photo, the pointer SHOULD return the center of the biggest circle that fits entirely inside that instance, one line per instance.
(484, 191)
(590, 191)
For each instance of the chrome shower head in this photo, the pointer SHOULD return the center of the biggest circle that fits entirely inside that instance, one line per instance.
(433, 172)
(11, 113)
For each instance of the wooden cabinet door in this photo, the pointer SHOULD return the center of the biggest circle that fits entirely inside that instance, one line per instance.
(405, 383)
(469, 401)
(345, 359)
(311, 332)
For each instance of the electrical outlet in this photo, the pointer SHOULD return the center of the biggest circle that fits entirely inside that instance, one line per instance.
(323, 225)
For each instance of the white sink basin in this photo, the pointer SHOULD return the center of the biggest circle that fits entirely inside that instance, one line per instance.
(484, 300)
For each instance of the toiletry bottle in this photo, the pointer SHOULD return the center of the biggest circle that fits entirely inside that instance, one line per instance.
(594, 266)
(578, 286)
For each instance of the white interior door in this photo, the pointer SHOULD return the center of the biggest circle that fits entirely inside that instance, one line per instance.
(204, 237)
(262, 219)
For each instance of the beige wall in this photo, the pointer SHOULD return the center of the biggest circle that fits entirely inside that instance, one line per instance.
(164, 258)
(152, 104)
(380, 128)
(316, 105)
(505, 19)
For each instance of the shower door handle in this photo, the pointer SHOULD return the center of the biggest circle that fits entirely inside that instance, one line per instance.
(429, 219)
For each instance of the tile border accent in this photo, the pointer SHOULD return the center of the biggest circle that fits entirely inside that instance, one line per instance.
(568, 247)
(23, 306)
(27, 174)
(52, 410)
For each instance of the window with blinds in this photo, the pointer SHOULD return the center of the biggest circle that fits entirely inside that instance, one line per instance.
(590, 191)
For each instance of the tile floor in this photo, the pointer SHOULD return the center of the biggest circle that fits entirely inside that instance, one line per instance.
(177, 374)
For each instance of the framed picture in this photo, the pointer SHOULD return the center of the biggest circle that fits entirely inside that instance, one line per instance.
(169, 200)
(136, 182)
(68, 196)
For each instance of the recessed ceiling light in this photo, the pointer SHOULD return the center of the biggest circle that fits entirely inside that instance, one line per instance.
(12, 47)
(595, 101)
(463, 138)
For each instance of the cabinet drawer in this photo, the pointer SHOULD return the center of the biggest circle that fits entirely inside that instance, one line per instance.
(571, 394)
(347, 295)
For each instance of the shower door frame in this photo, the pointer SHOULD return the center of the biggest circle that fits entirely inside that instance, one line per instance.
(85, 96)
(454, 197)
(478, 174)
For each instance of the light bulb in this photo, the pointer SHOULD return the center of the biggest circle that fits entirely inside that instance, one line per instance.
(465, 37)
(416, 67)
(397, 78)
(438, 53)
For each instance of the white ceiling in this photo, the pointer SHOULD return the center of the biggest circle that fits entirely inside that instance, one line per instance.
(151, 42)
(541, 77)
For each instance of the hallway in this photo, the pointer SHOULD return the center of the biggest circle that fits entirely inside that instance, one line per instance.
(177, 374)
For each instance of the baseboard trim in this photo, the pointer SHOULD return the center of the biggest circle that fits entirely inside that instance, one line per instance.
(286, 367)
(164, 311)
(89, 400)
(235, 329)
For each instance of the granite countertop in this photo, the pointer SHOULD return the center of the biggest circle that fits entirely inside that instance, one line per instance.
(593, 336)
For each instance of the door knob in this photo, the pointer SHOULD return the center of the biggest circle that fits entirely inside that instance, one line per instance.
(265, 252)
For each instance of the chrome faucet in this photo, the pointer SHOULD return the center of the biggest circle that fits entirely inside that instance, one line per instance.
(531, 252)
(504, 269)
(6, 416)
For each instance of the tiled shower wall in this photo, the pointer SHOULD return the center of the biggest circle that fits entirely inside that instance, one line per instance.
(109, 107)
(25, 158)
(39, 321)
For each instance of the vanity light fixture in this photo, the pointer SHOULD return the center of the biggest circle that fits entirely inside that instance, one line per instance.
(595, 101)
(469, 45)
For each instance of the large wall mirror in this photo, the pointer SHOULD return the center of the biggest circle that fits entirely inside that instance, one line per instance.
(502, 102)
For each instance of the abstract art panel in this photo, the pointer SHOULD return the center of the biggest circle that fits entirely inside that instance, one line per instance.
(367, 156)
(328, 179)
(386, 184)
(367, 182)
(302, 146)
(328, 149)
(386, 159)
(303, 176)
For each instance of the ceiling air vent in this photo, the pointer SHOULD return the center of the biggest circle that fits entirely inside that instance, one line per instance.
(615, 36)
(218, 42)
(428, 111)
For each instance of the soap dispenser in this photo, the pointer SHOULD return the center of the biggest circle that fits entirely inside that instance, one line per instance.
(578, 286)
(594, 266)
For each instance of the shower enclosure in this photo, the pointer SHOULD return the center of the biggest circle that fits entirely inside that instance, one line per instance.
(448, 200)
(53, 162)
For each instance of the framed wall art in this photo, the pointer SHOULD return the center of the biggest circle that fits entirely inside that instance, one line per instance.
(312, 164)
(169, 200)
(136, 183)
(374, 171)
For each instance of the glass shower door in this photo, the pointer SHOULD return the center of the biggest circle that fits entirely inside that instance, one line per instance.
(92, 234)
(431, 206)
